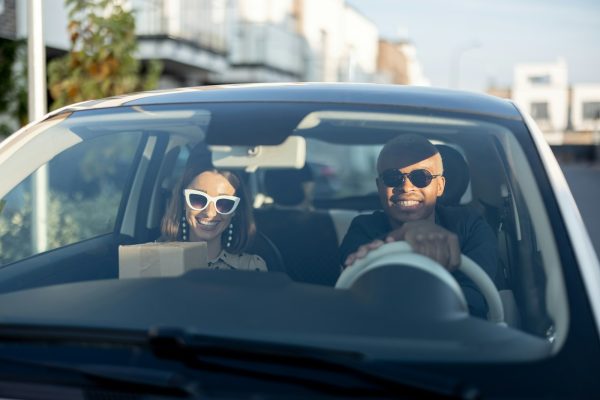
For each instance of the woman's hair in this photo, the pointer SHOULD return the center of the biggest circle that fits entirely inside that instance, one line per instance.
(243, 220)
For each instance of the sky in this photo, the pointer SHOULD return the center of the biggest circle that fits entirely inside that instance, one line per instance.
(485, 39)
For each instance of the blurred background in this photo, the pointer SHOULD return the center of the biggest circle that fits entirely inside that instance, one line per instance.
(543, 54)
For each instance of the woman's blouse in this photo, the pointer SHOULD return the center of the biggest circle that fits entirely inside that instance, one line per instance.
(241, 262)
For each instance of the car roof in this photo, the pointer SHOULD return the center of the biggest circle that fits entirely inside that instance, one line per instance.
(339, 93)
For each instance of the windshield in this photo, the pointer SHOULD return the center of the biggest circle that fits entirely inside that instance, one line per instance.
(239, 220)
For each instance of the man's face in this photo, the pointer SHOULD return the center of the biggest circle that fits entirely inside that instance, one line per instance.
(407, 202)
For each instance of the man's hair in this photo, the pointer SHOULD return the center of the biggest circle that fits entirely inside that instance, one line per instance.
(406, 149)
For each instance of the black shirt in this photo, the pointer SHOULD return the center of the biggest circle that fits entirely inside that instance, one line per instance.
(476, 238)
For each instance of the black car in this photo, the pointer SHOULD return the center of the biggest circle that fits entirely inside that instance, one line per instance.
(93, 180)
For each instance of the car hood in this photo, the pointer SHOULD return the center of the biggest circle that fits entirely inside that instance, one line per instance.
(271, 307)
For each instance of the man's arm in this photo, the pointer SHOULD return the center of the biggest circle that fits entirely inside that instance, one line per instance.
(479, 244)
(363, 231)
(473, 237)
(356, 236)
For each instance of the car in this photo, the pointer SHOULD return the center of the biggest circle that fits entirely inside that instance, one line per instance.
(90, 182)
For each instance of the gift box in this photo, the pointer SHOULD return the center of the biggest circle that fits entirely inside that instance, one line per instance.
(161, 259)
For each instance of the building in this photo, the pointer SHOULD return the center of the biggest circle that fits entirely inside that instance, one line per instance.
(392, 63)
(8, 20)
(499, 91)
(220, 41)
(226, 41)
(543, 91)
(190, 37)
(342, 43)
(397, 63)
(585, 108)
(567, 114)
(8, 33)
(264, 45)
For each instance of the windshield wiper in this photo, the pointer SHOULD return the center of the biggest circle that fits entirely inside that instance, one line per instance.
(333, 372)
(265, 366)
(137, 379)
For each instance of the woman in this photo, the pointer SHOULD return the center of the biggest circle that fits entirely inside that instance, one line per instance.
(212, 205)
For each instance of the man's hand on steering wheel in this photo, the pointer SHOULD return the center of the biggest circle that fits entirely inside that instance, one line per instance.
(362, 251)
(425, 237)
(430, 240)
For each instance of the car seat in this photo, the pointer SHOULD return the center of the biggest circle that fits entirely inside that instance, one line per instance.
(306, 238)
(456, 172)
(264, 247)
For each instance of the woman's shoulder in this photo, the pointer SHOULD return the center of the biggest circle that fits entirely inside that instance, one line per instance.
(245, 261)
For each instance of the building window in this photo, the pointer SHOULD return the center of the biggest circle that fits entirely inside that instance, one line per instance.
(1, 7)
(539, 79)
(539, 111)
(591, 110)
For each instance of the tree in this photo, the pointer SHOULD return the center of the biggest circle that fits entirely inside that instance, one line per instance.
(13, 93)
(101, 60)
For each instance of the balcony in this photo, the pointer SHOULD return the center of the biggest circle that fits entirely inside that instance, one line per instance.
(263, 51)
(188, 35)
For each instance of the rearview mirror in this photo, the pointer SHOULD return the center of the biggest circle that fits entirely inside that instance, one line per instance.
(289, 154)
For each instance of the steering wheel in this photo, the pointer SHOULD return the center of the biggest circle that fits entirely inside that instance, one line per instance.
(401, 253)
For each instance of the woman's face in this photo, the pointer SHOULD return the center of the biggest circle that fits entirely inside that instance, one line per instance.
(208, 224)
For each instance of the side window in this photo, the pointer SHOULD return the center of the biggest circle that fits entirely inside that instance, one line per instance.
(79, 200)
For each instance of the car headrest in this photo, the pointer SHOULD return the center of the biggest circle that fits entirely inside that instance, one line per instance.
(285, 186)
(456, 172)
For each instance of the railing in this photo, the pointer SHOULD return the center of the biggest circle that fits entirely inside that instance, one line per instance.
(201, 22)
(269, 45)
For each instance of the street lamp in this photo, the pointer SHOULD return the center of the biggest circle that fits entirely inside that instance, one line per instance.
(456, 59)
(37, 108)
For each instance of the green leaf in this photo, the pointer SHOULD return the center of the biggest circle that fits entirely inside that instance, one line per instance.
(102, 60)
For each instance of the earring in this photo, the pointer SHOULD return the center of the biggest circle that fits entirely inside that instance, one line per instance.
(183, 228)
(229, 235)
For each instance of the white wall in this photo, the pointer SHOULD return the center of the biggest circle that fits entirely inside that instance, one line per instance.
(262, 11)
(343, 43)
(55, 23)
(199, 21)
(361, 40)
(264, 43)
(321, 26)
(543, 83)
(414, 70)
(584, 93)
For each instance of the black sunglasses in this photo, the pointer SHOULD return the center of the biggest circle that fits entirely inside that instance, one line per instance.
(420, 178)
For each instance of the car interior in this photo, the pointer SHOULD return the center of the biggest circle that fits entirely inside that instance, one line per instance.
(304, 203)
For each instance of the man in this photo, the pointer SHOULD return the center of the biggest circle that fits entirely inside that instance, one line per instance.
(409, 183)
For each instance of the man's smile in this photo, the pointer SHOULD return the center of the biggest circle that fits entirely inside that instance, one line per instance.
(408, 203)
(405, 204)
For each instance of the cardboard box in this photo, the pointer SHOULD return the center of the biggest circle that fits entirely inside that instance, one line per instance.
(161, 259)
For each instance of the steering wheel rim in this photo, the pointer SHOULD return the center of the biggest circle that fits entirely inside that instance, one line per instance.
(402, 253)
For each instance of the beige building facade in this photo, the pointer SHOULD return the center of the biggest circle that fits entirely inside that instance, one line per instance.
(397, 63)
